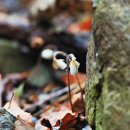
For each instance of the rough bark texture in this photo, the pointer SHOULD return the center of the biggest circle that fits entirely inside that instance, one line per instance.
(108, 67)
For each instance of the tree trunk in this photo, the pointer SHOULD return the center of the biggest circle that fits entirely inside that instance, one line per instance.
(108, 67)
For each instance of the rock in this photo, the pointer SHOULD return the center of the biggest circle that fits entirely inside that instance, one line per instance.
(108, 85)
(6, 120)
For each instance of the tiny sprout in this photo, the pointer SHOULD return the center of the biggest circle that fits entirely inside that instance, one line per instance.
(47, 54)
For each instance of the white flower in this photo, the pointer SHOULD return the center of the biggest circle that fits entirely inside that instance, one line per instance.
(73, 65)
(59, 64)
(47, 54)
(72, 56)
(59, 59)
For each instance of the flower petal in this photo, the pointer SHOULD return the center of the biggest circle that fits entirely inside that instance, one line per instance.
(72, 57)
(74, 65)
(59, 64)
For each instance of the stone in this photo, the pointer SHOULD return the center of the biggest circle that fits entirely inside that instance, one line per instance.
(108, 84)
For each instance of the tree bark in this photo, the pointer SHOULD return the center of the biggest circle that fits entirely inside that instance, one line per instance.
(108, 67)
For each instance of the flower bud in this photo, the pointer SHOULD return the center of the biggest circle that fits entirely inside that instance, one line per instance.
(59, 58)
(73, 65)
(59, 64)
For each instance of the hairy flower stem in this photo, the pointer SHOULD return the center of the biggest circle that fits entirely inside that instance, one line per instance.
(68, 75)
(81, 90)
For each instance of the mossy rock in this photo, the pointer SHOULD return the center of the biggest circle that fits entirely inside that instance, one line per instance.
(11, 59)
(108, 84)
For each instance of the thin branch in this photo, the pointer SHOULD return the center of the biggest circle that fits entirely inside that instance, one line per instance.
(11, 100)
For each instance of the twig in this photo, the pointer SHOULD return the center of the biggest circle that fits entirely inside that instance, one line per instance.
(11, 100)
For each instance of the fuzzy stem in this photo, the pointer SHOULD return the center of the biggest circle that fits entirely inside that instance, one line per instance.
(68, 75)
(81, 91)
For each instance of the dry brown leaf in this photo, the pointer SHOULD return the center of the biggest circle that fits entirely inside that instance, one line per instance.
(68, 121)
(73, 79)
(55, 115)
(62, 115)
(22, 125)
(17, 111)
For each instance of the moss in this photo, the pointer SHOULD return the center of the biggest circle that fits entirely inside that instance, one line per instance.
(92, 90)
(108, 85)
(116, 106)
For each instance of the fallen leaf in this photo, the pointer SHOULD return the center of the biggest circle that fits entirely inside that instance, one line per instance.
(19, 91)
(17, 111)
(22, 125)
(77, 102)
(55, 114)
(46, 122)
(68, 121)
(39, 126)
(60, 119)
(73, 79)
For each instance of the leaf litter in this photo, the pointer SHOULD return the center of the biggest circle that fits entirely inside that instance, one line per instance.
(49, 110)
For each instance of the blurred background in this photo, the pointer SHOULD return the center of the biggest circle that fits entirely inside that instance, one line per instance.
(29, 26)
